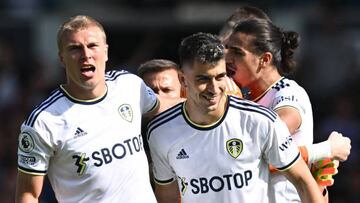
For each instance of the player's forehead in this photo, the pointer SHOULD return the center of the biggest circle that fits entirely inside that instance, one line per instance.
(240, 40)
(87, 34)
(91, 31)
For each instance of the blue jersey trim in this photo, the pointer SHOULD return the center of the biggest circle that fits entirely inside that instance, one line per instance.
(164, 181)
(208, 127)
(85, 102)
(32, 171)
(114, 74)
(251, 106)
(163, 117)
(291, 163)
(35, 113)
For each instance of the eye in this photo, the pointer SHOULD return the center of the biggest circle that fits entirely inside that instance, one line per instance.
(202, 79)
(93, 45)
(166, 90)
(221, 76)
(73, 47)
(236, 51)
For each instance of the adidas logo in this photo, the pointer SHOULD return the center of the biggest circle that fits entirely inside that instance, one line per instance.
(79, 132)
(182, 155)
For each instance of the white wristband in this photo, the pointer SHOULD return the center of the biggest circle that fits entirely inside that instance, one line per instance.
(319, 151)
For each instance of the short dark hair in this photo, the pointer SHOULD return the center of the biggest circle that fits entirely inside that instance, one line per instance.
(201, 47)
(155, 66)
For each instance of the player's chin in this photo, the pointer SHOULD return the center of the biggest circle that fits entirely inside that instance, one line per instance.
(211, 104)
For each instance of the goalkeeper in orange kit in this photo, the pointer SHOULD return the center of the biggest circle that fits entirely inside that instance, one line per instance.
(259, 54)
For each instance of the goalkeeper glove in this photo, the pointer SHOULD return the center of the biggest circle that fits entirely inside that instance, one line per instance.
(323, 171)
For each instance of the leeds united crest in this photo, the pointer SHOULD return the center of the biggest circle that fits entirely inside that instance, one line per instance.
(234, 147)
(126, 112)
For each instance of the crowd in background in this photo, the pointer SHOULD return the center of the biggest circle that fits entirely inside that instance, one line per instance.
(328, 68)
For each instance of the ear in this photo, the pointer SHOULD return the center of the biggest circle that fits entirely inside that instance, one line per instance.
(61, 58)
(106, 52)
(265, 59)
(182, 79)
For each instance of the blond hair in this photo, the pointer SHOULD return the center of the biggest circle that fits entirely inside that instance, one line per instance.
(77, 23)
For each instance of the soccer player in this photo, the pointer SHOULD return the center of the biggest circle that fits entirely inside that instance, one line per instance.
(259, 55)
(162, 76)
(336, 147)
(214, 147)
(86, 135)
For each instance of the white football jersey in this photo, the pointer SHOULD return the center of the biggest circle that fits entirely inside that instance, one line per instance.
(91, 151)
(287, 93)
(224, 162)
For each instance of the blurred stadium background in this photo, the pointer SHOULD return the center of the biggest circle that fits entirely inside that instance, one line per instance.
(139, 30)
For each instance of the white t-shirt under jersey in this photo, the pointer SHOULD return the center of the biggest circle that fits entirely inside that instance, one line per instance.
(224, 162)
(91, 151)
(287, 93)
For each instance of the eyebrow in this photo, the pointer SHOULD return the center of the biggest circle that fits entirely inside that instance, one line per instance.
(223, 74)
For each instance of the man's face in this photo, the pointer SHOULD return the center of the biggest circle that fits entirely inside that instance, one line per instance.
(84, 54)
(165, 83)
(205, 86)
(241, 64)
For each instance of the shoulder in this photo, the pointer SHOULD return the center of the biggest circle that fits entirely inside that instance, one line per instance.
(287, 86)
(163, 119)
(123, 79)
(122, 76)
(115, 74)
(46, 107)
(251, 108)
(289, 91)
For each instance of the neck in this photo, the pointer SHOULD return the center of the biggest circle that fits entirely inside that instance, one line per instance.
(80, 93)
(205, 117)
(262, 85)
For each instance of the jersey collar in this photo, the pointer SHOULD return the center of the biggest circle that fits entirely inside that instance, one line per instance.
(205, 127)
(80, 101)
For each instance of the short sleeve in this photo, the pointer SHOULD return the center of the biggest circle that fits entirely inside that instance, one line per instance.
(281, 150)
(148, 98)
(287, 97)
(33, 152)
(163, 172)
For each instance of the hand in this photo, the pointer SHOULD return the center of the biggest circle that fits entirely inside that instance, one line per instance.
(323, 171)
(340, 146)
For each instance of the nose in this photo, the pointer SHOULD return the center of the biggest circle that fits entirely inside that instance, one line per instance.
(86, 53)
(212, 86)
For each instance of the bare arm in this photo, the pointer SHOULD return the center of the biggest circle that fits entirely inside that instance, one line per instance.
(167, 193)
(305, 184)
(338, 145)
(291, 117)
(28, 187)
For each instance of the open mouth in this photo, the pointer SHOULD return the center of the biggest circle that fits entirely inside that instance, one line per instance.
(89, 68)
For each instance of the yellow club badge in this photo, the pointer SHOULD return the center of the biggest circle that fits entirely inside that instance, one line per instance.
(234, 147)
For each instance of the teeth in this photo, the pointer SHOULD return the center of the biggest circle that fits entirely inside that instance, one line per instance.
(209, 97)
(87, 68)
